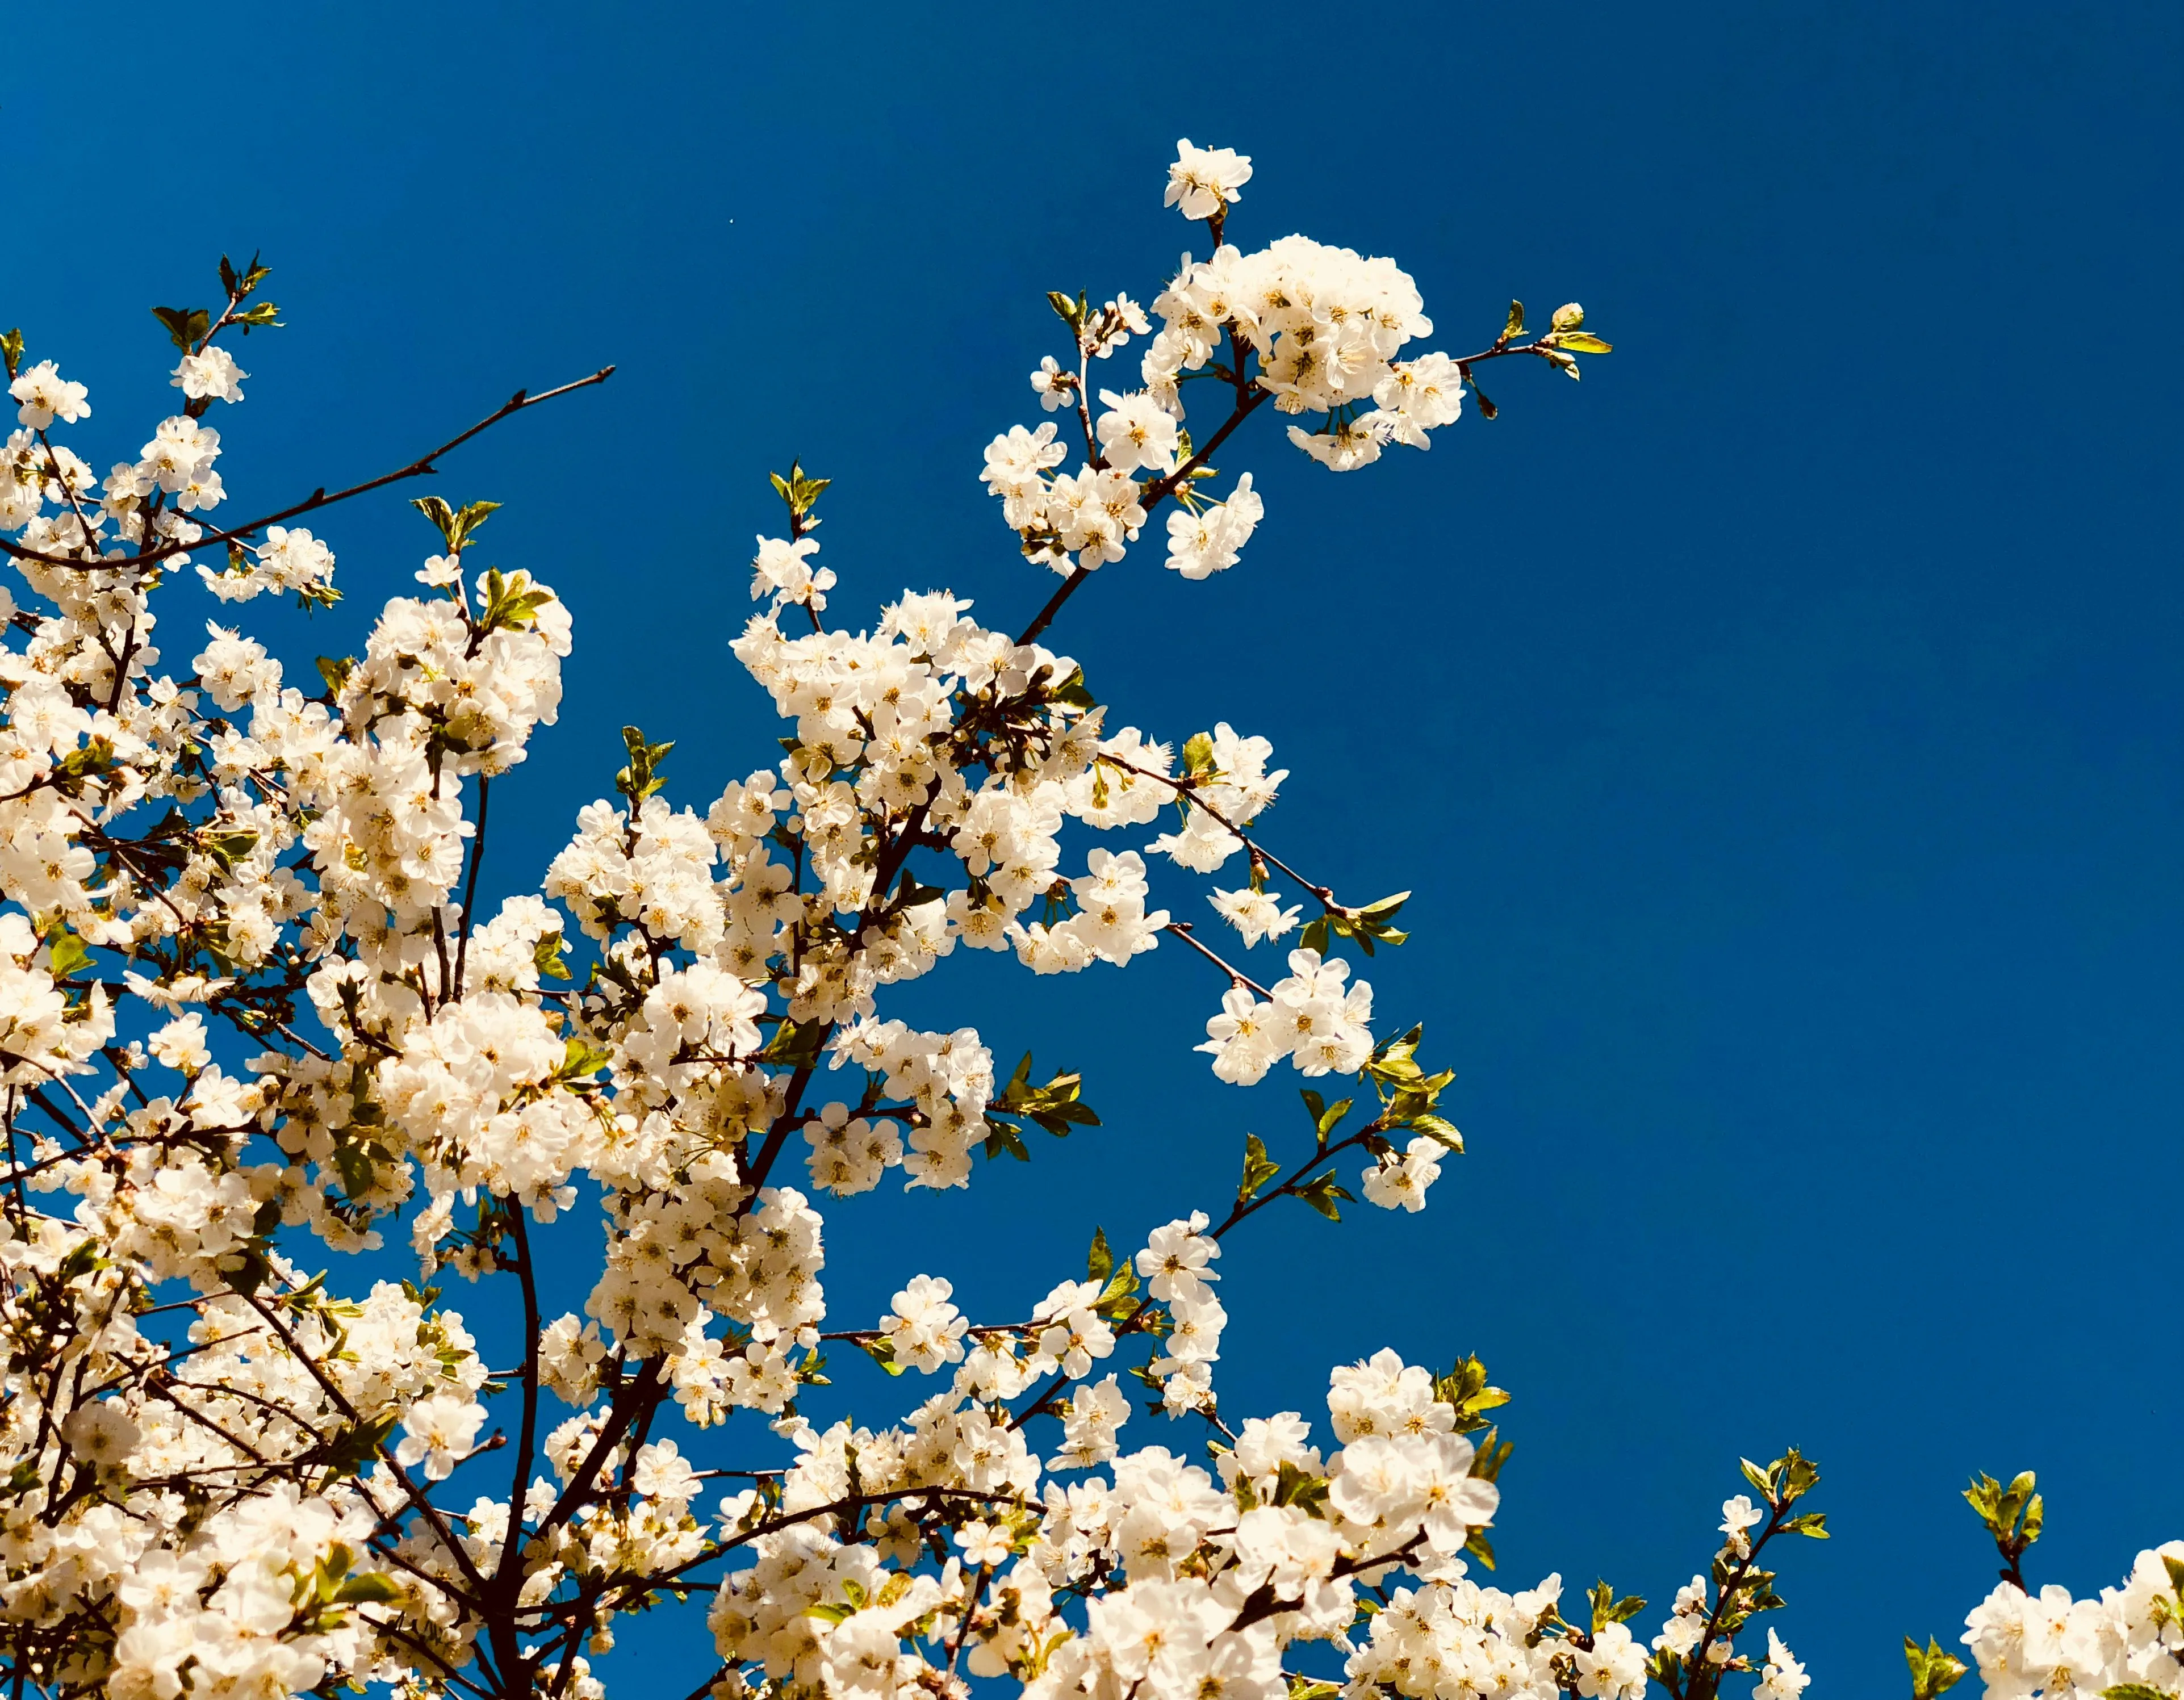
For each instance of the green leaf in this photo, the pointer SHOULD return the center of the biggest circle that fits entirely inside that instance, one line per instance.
(2135, 1690)
(1314, 936)
(1100, 1264)
(1515, 327)
(454, 526)
(1583, 343)
(1607, 1609)
(1320, 1192)
(354, 1166)
(641, 779)
(1115, 1300)
(236, 286)
(795, 1042)
(799, 493)
(1486, 409)
(1933, 1671)
(348, 1451)
(1198, 756)
(1071, 691)
(1813, 1524)
(1567, 317)
(434, 509)
(511, 603)
(1057, 1106)
(11, 350)
(1005, 1136)
(1325, 1117)
(581, 1060)
(185, 325)
(473, 514)
(1440, 1129)
(336, 672)
(369, 1590)
(1757, 1478)
(881, 1352)
(546, 958)
(94, 758)
(1259, 1168)
(1466, 1389)
(1292, 1486)
(66, 953)
(1983, 1496)
(227, 849)
(1480, 1547)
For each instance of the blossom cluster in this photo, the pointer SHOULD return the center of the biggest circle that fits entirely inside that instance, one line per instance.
(2129, 1637)
(254, 1008)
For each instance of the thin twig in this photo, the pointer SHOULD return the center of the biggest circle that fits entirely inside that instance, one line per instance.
(318, 498)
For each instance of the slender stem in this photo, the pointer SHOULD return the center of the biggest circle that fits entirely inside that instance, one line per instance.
(320, 498)
(508, 1578)
(1236, 976)
(970, 1610)
(1155, 493)
(470, 882)
(1186, 790)
(1705, 1675)
(423, 1504)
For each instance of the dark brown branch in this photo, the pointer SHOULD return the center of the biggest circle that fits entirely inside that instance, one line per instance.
(1156, 493)
(318, 498)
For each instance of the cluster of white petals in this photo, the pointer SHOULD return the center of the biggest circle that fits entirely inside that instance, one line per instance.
(254, 1009)
(2047, 1644)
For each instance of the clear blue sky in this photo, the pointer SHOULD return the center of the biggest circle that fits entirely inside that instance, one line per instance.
(1782, 730)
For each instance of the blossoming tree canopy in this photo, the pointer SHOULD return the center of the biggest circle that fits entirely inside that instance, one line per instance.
(254, 1013)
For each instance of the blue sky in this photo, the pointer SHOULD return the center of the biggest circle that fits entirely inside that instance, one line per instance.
(1781, 729)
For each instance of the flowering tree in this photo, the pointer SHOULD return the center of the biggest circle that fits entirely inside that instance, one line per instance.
(249, 1002)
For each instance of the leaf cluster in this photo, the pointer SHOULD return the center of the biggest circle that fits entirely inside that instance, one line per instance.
(512, 604)
(455, 524)
(1363, 928)
(2013, 1516)
(187, 327)
(642, 777)
(1933, 1670)
(1409, 1097)
(1118, 1276)
(1057, 1107)
(800, 492)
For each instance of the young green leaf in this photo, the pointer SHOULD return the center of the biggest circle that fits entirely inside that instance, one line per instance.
(185, 325)
(1258, 1168)
(1933, 1671)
